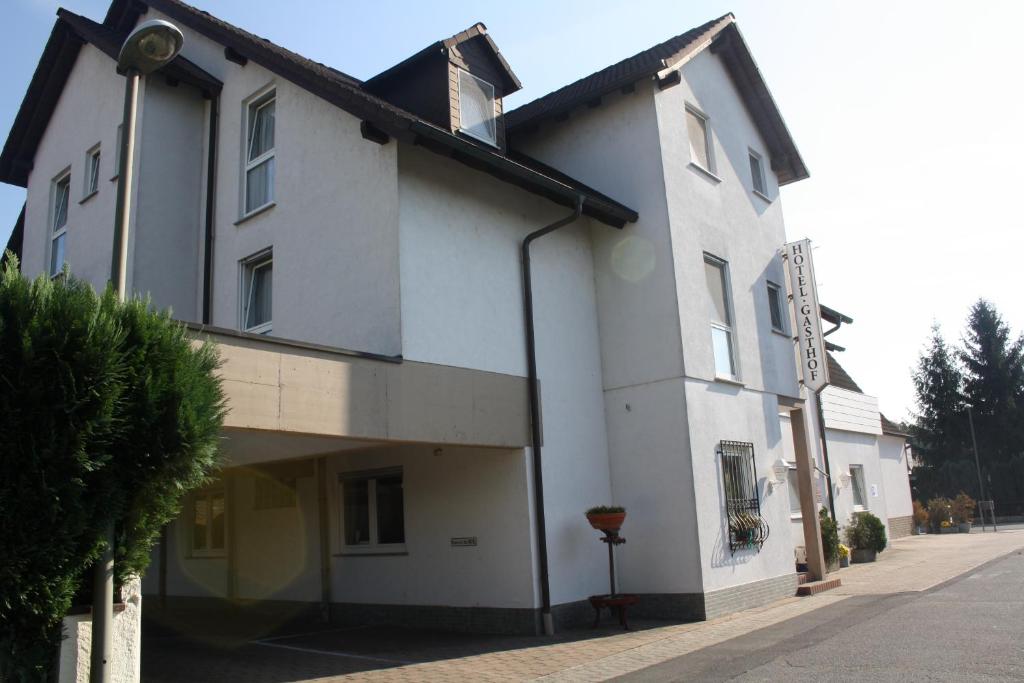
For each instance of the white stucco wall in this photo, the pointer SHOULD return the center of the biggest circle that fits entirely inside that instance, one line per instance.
(895, 479)
(462, 305)
(126, 654)
(847, 448)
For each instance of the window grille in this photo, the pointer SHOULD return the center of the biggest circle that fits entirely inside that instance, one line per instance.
(747, 528)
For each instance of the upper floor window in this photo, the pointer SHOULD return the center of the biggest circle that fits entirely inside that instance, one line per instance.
(257, 293)
(699, 131)
(61, 193)
(259, 153)
(757, 173)
(775, 307)
(92, 172)
(476, 108)
(720, 312)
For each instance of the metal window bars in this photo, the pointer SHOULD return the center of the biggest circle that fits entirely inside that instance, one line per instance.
(747, 528)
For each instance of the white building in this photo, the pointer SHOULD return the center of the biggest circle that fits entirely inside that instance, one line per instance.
(354, 247)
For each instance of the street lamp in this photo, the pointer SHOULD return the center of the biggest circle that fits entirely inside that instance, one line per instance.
(150, 46)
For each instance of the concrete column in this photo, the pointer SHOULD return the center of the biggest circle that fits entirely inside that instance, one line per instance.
(808, 505)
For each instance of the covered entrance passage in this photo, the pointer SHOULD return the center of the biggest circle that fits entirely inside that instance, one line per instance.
(357, 490)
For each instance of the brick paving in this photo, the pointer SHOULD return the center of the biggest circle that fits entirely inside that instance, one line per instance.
(374, 654)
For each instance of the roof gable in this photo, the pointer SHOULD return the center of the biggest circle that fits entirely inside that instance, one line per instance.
(723, 38)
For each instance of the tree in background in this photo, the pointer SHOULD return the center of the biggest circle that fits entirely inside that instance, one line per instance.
(108, 413)
(987, 374)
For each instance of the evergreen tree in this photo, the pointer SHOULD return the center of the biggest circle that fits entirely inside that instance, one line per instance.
(938, 427)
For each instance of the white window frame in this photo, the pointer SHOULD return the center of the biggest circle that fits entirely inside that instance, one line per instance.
(63, 176)
(712, 167)
(373, 547)
(857, 507)
(252, 105)
(209, 551)
(729, 329)
(247, 270)
(776, 291)
(494, 110)
(91, 178)
(762, 191)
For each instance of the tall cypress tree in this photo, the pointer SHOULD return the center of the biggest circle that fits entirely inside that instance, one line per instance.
(939, 436)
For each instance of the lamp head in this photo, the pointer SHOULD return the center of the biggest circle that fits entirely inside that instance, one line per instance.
(150, 46)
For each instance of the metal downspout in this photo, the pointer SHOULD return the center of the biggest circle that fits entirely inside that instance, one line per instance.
(535, 423)
(211, 189)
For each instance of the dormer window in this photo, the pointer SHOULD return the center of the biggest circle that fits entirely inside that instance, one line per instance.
(476, 108)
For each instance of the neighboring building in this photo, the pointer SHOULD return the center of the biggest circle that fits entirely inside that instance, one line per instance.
(354, 249)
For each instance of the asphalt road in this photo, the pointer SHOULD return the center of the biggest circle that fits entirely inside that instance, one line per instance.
(968, 629)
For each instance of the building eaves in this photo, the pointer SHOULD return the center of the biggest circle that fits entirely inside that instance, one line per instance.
(69, 33)
(347, 93)
(723, 38)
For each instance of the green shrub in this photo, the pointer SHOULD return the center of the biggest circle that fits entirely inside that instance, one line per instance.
(108, 415)
(866, 532)
(605, 509)
(829, 537)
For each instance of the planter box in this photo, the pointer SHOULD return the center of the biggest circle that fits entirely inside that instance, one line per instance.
(844, 562)
(949, 530)
(858, 555)
(965, 528)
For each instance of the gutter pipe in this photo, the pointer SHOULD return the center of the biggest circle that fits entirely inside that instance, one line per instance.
(535, 418)
(211, 190)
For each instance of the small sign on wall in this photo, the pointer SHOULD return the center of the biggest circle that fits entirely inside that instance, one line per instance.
(464, 541)
(874, 490)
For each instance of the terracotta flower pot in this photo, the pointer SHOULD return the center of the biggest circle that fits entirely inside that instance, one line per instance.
(611, 521)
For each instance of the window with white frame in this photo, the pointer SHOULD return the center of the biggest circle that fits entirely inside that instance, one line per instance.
(209, 531)
(92, 172)
(857, 484)
(259, 153)
(476, 108)
(757, 173)
(698, 129)
(257, 292)
(373, 511)
(776, 308)
(720, 313)
(794, 490)
(61, 193)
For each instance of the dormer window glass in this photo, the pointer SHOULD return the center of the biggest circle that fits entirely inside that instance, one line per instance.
(476, 108)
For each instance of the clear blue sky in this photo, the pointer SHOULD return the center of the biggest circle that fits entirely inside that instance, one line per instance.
(909, 115)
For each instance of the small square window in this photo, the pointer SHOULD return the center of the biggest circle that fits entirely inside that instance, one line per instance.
(259, 153)
(373, 511)
(209, 531)
(757, 174)
(92, 172)
(59, 222)
(775, 307)
(699, 131)
(476, 108)
(257, 293)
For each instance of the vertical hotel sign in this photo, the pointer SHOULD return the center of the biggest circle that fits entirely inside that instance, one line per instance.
(813, 364)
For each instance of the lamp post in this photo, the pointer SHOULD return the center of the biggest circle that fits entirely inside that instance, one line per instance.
(150, 46)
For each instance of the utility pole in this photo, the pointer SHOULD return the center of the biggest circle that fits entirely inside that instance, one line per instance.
(977, 464)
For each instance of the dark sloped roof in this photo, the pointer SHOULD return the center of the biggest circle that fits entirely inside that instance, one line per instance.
(838, 377)
(891, 428)
(14, 242)
(725, 40)
(70, 32)
(347, 93)
(478, 29)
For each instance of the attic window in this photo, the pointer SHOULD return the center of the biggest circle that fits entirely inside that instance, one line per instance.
(476, 108)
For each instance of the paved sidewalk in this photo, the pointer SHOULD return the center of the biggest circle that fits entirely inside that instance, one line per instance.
(911, 564)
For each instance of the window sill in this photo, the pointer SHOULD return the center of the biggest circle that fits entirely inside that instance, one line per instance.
(373, 552)
(782, 333)
(705, 172)
(796, 516)
(89, 196)
(763, 196)
(729, 380)
(264, 329)
(114, 177)
(256, 212)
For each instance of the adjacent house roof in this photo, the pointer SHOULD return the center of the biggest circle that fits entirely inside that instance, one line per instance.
(724, 39)
(14, 242)
(838, 377)
(891, 428)
(348, 94)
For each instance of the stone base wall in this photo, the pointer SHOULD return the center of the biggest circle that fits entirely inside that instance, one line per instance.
(901, 526)
(754, 594)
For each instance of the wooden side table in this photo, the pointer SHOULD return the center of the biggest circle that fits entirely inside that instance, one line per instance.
(616, 604)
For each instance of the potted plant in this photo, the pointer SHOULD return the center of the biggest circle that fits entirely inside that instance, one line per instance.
(829, 540)
(844, 555)
(866, 535)
(606, 517)
(939, 512)
(962, 508)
